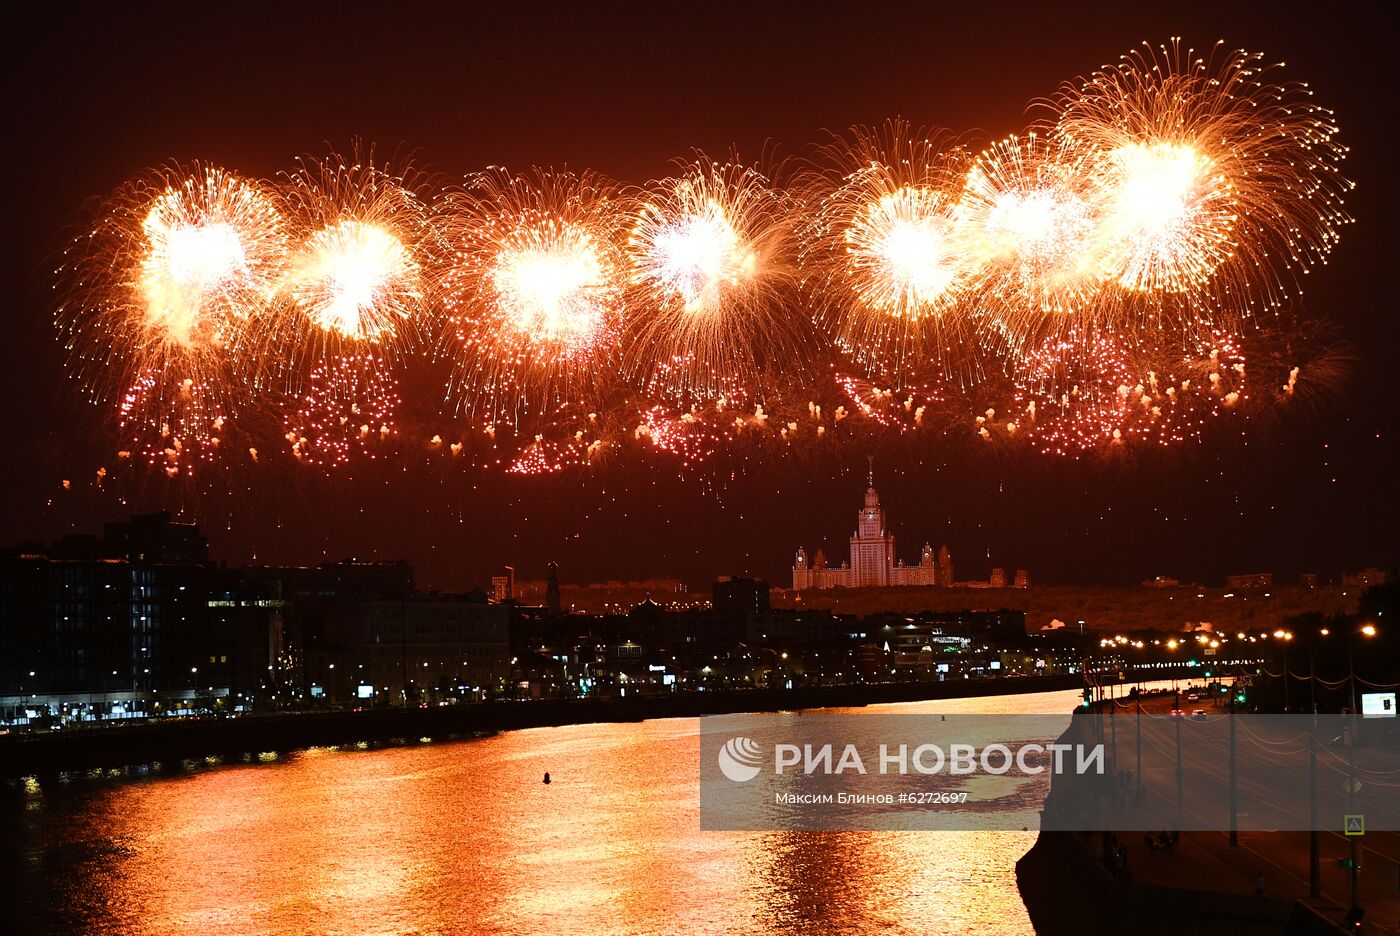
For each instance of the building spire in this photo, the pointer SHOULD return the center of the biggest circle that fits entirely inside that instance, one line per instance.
(871, 476)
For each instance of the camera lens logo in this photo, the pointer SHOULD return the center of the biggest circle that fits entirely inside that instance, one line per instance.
(739, 759)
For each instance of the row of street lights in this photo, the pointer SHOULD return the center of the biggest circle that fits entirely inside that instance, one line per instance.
(1364, 630)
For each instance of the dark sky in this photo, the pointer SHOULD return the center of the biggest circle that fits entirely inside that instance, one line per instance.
(100, 93)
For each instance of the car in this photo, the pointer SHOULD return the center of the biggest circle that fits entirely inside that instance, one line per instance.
(1198, 715)
(1178, 713)
(1193, 697)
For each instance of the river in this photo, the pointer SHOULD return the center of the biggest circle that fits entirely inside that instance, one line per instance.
(461, 837)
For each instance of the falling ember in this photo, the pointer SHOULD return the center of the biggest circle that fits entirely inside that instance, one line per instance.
(885, 407)
(1292, 384)
(545, 456)
(689, 435)
(172, 424)
(1074, 381)
(1083, 390)
(329, 427)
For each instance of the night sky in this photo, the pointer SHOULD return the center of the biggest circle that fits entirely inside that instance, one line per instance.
(100, 94)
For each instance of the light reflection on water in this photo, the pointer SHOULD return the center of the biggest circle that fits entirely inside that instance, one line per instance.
(463, 837)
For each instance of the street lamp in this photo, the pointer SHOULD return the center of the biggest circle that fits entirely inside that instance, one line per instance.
(1287, 638)
(1314, 845)
(1366, 630)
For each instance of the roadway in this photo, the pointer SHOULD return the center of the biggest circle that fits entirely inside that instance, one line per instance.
(1277, 843)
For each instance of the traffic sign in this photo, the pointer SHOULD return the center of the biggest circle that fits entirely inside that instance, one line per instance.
(1354, 825)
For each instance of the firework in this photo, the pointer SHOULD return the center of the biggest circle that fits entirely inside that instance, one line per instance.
(551, 456)
(881, 255)
(1178, 394)
(180, 263)
(707, 260)
(532, 289)
(569, 436)
(1097, 280)
(1215, 180)
(356, 277)
(1306, 366)
(347, 410)
(1028, 215)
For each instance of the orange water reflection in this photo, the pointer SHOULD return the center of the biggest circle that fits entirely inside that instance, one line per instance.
(463, 837)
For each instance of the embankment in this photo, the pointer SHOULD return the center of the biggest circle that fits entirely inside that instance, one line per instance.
(172, 741)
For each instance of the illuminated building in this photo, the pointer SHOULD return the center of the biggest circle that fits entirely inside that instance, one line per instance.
(872, 561)
(503, 586)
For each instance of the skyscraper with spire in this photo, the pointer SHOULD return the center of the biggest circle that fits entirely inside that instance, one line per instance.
(872, 561)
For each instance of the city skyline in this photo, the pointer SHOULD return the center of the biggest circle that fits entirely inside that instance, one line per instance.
(432, 433)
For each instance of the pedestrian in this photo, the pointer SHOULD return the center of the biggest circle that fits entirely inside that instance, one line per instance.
(1259, 884)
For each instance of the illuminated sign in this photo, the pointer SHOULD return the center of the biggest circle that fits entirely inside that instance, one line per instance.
(1378, 704)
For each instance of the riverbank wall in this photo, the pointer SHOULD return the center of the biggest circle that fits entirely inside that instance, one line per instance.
(107, 747)
(1066, 890)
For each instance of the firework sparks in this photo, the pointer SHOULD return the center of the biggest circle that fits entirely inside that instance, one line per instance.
(1107, 268)
(356, 278)
(691, 435)
(901, 409)
(1086, 390)
(180, 262)
(171, 425)
(552, 455)
(881, 253)
(1028, 213)
(1068, 389)
(707, 258)
(1216, 179)
(1169, 222)
(533, 290)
